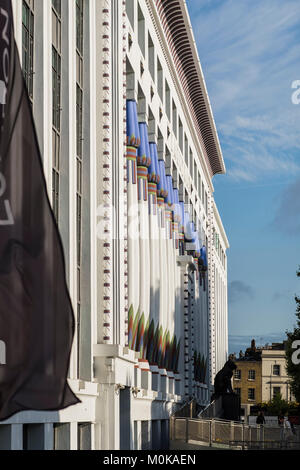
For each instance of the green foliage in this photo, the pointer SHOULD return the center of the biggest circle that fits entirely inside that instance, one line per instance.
(293, 370)
(279, 406)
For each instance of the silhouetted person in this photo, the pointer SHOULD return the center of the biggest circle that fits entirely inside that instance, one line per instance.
(260, 418)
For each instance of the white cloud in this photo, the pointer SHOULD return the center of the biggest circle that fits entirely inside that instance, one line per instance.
(250, 55)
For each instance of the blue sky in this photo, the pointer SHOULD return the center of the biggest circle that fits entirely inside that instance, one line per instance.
(250, 55)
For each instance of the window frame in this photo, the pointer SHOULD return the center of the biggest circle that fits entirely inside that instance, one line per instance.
(279, 370)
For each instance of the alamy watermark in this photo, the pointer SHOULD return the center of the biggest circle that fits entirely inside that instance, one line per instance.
(296, 354)
(296, 94)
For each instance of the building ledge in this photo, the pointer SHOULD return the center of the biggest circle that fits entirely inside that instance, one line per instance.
(115, 350)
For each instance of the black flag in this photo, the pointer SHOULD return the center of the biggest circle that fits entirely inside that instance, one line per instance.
(36, 316)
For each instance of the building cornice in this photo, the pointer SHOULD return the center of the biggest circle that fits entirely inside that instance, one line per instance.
(199, 147)
(179, 35)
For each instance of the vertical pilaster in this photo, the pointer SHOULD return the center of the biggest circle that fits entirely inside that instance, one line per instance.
(211, 295)
(105, 172)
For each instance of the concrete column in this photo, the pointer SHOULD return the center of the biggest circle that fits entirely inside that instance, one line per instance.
(73, 436)
(16, 437)
(165, 434)
(163, 380)
(137, 435)
(48, 436)
(146, 427)
(156, 434)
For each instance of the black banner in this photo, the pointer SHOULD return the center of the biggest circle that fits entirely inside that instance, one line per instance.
(36, 317)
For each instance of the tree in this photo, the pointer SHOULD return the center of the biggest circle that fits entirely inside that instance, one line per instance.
(278, 406)
(293, 369)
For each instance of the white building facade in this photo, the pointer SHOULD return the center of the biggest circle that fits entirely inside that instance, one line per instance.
(274, 375)
(130, 148)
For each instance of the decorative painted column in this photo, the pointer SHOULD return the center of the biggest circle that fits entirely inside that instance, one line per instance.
(170, 252)
(143, 162)
(162, 325)
(177, 281)
(160, 316)
(155, 291)
(171, 259)
(133, 253)
(153, 179)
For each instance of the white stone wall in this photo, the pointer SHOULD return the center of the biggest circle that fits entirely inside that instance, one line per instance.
(270, 380)
(108, 365)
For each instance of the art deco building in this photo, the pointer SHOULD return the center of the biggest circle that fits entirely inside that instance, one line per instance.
(130, 148)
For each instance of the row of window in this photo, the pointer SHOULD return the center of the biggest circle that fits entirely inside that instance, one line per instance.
(79, 136)
(164, 92)
(219, 248)
(28, 63)
(34, 436)
(251, 392)
(238, 374)
(251, 372)
(27, 43)
(56, 102)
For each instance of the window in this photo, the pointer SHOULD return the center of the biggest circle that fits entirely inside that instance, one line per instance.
(57, 6)
(130, 11)
(79, 152)
(61, 436)
(174, 118)
(199, 185)
(195, 174)
(33, 437)
(251, 374)
(84, 436)
(28, 44)
(160, 81)
(276, 391)
(56, 102)
(56, 88)
(238, 391)
(237, 375)
(151, 57)
(160, 145)
(191, 163)
(216, 240)
(168, 100)
(141, 30)
(276, 369)
(186, 151)
(251, 393)
(180, 136)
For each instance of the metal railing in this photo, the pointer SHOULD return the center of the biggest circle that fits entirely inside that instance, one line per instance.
(188, 409)
(222, 433)
(213, 410)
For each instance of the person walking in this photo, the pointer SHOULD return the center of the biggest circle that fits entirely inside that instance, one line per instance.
(286, 431)
(280, 423)
(260, 420)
